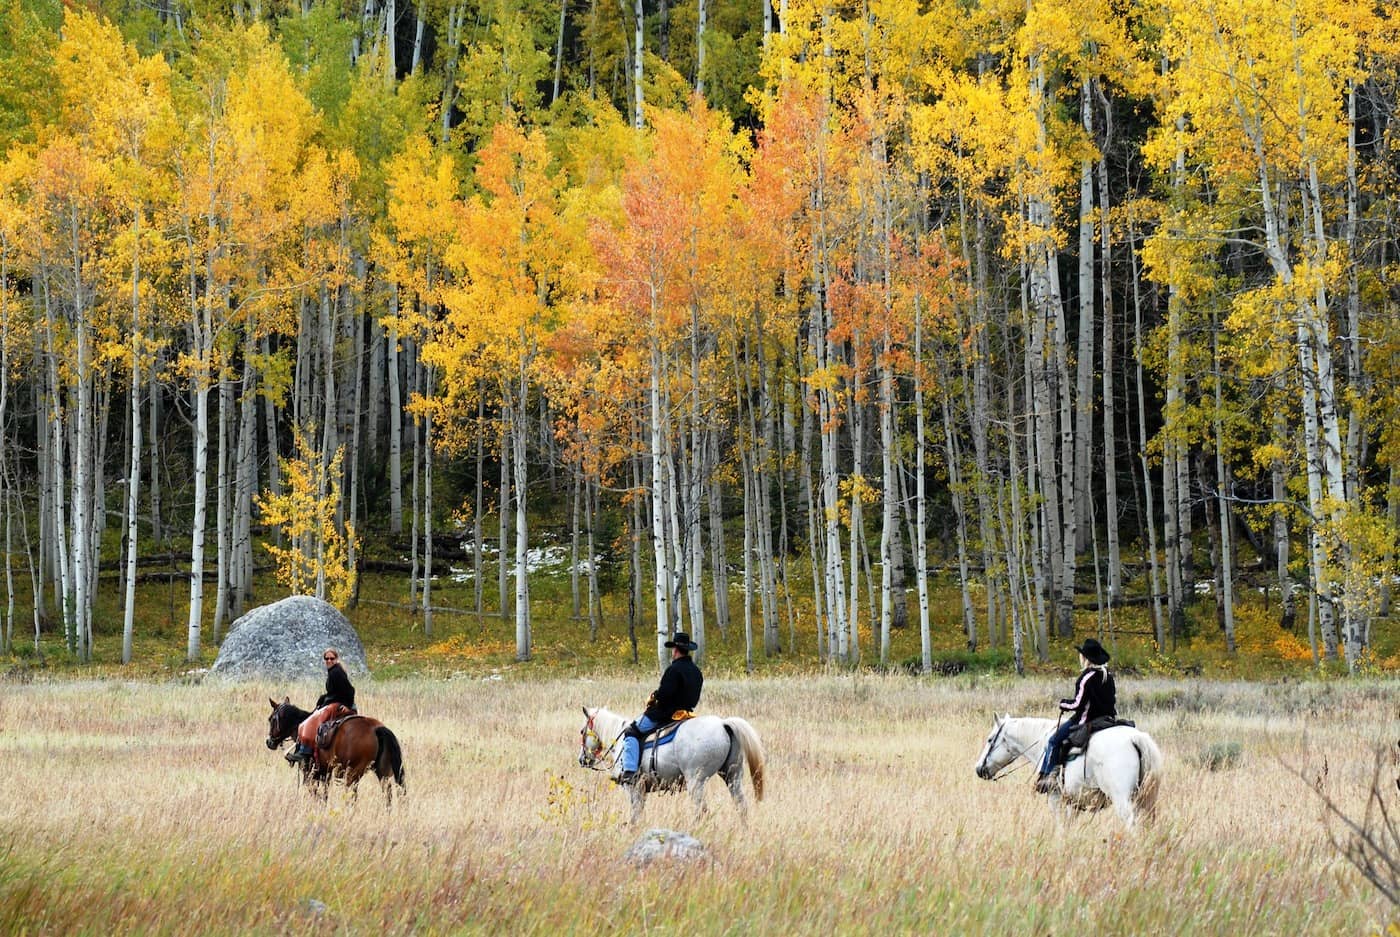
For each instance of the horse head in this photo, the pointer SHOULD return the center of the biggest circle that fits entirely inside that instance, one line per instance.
(996, 754)
(591, 747)
(283, 722)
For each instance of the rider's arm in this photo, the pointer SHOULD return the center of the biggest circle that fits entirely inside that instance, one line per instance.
(1080, 699)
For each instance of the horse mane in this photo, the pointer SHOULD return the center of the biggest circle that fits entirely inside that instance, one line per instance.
(296, 711)
(607, 723)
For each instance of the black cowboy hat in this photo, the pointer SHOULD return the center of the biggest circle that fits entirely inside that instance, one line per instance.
(1093, 651)
(682, 641)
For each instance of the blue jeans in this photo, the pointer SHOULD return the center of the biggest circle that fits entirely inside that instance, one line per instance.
(1051, 758)
(632, 746)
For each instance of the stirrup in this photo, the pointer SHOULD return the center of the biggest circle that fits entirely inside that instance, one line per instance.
(1047, 783)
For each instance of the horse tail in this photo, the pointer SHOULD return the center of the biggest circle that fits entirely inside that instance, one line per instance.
(389, 759)
(1149, 774)
(752, 748)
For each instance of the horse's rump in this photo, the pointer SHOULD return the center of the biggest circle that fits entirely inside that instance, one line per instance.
(1150, 774)
(388, 761)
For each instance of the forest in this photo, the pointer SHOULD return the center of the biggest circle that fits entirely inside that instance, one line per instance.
(773, 315)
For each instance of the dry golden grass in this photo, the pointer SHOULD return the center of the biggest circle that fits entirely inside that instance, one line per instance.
(134, 808)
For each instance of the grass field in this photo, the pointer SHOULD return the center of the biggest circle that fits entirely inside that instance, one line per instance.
(153, 807)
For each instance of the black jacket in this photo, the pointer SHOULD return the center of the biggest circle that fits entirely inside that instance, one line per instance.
(679, 689)
(338, 688)
(1094, 696)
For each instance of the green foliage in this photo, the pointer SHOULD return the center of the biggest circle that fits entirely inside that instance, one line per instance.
(317, 45)
(28, 37)
(1220, 756)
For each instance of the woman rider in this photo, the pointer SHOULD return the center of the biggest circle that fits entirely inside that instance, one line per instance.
(339, 695)
(1094, 696)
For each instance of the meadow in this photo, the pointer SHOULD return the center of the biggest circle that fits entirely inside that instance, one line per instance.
(153, 807)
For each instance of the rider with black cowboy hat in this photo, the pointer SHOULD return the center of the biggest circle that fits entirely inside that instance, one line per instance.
(679, 691)
(1094, 696)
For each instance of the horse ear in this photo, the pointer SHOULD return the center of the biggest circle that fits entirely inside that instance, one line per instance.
(586, 713)
(270, 700)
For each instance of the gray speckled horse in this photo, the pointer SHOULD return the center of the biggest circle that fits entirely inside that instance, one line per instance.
(1122, 766)
(701, 748)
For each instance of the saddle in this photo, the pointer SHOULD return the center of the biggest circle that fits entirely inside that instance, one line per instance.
(1079, 738)
(325, 734)
(661, 735)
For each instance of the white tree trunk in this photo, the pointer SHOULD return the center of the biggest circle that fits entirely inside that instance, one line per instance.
(153, 485)
(395, 427)
(1227, 576)
(428, 513)
(503, 551)
(1084, 359)
(522, 528)
(701, 18)
(921, 498)
(639, 45)
(659, 487)
(1110, 442)
(223, 541)
(1149, 509)
(133, 480)
(201, 483)
(888, 518)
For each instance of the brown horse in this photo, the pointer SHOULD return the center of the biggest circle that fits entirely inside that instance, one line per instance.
(358, 745)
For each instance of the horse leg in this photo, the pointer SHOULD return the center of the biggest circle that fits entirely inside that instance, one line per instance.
(1121, 795)
(1118, 782)
(697, 794)
(733, 776)
(732, 773)
(321, 781)
(639, 799)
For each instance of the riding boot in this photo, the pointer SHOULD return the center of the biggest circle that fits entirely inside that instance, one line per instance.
(300, 752)
(626, 778)
(1047, 782)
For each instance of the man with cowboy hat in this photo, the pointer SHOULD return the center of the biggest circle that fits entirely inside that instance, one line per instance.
(1094, 696)
(679, 692)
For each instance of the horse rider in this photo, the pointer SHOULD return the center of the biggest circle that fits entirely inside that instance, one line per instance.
(339, 695)
(679, 691)
(1094, 696)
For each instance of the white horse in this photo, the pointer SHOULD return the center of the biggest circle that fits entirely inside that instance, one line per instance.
(701, 748)
(1121, 766)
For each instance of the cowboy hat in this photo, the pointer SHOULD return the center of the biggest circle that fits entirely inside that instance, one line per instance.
(1093, 651)
(682, 641)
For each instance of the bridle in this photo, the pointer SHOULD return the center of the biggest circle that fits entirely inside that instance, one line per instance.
(597, 753)
(279, 715)
(1002, 772)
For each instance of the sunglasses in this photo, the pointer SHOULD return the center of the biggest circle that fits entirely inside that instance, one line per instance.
(328, 658)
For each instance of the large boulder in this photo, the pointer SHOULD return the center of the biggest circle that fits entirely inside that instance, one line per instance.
(665, 844)
(283, 642)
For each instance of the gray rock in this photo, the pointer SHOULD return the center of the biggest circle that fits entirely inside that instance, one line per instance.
(665, 844)
(283, 642)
